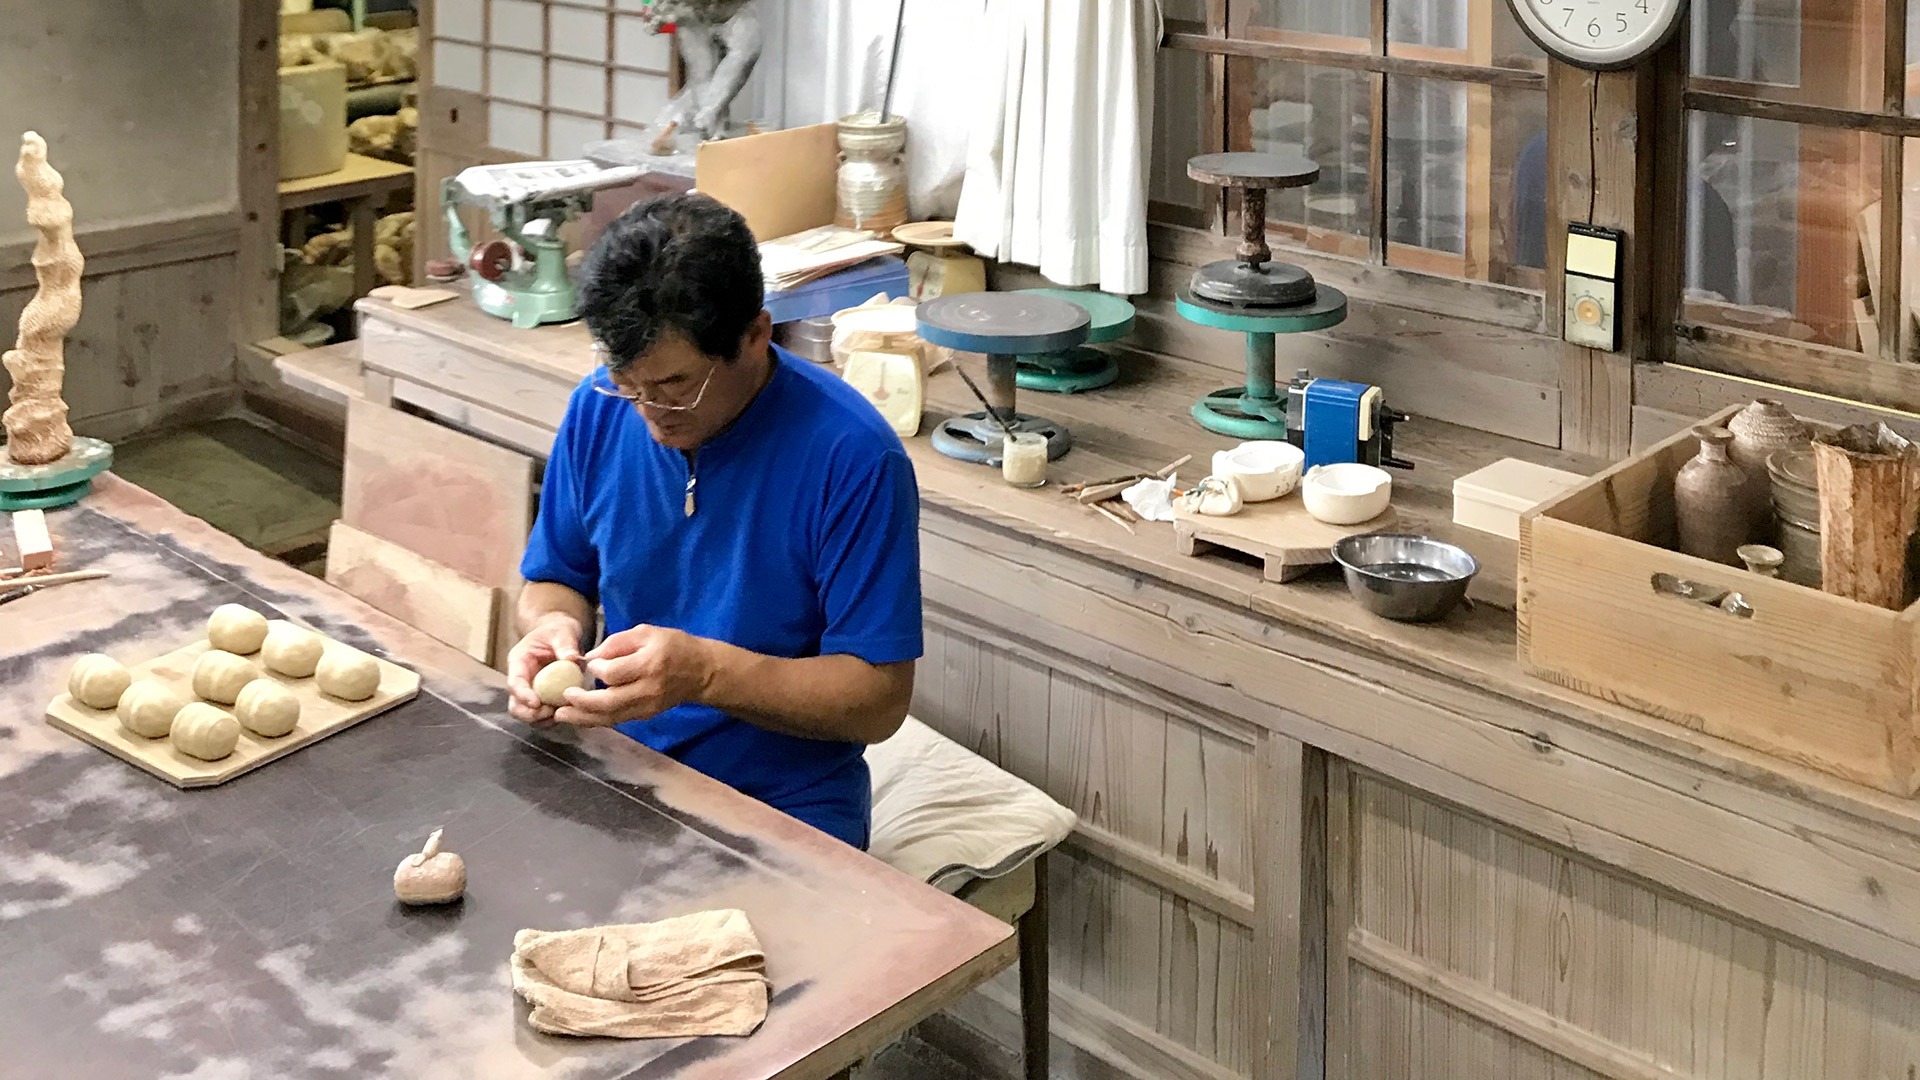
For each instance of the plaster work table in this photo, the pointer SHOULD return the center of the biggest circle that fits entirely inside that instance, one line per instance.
(250, 929)
(1313, 843)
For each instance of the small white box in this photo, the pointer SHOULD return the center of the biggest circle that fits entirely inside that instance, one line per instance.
(1492, 499)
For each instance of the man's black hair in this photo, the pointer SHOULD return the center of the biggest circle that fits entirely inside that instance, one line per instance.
(683, 264)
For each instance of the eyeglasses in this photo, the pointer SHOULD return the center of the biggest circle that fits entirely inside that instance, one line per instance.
(647, 403)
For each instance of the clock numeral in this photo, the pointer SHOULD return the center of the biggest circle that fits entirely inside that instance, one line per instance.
(1569, 21)
(1642, 5)
(1593, 28)
(1623, 20)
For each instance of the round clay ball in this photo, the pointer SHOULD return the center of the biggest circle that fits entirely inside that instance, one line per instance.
(348, 674)
(97, 681)
(291, 651)
(554, 680)
(266, 708)
(220, 676)
(235, 629)
(204, 732)
(148, 707)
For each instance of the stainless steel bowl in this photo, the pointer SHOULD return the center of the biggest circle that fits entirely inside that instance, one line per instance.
(1405, 578)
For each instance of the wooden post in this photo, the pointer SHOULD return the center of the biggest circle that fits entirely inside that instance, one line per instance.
(1601, 172)
(1035, 1010)
(1290, 889)
(257, 307)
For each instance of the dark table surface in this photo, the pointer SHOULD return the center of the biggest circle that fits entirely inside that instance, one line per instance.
(250, 930)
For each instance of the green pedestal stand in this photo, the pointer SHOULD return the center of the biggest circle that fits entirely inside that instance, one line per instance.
(55, 484)
(1073, 370)
(1254, 295)
(1258, 408)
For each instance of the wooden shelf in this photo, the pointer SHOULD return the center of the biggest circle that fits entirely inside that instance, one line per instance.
(359, 178)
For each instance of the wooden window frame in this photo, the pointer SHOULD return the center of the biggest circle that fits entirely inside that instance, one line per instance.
(1876, 375)
(1438, 278)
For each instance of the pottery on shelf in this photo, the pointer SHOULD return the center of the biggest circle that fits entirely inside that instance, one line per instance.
(1713, 501)
(1761, 430)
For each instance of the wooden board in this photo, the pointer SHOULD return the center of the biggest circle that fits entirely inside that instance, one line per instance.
(1280, 531)
(441, 602)
(805, 159)
(320, 716)
(360, 177)
(460, 502)
(32, 544)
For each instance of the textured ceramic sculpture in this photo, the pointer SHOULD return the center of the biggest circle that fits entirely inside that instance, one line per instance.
(1713, 501)
(1761, 429)
(36, 424)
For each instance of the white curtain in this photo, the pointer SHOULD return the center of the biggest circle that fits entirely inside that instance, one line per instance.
(1061, 95)
(835, 58)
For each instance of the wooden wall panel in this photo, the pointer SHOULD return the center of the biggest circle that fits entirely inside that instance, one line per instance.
(152, 344)
(1415, 1036)
(1159, 979)
(1465, 934)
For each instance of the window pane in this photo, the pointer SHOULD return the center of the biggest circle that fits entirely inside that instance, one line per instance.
(1324, 113)
(1821, 54)
(1185, 10)
(1466, 181)
(1773, 212)
(1461, 32)
(1327, 24)
(1179, 130)
(1913, 60)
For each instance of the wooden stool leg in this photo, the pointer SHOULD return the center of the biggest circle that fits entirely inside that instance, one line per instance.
(1033, 976)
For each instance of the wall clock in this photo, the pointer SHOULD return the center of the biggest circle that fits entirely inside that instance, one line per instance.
(1600, 35)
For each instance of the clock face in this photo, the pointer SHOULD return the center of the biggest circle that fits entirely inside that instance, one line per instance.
(1599, 33)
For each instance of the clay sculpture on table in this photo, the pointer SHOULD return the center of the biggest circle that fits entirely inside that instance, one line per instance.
(98, 680)
(430, 876)
(266, 708)
(236, 629)
(220, 676)
(348, 674)
(291, 651)
(36, 423)
(148, 707)
(202, 731)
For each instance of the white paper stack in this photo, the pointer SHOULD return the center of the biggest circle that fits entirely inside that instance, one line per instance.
(792, 261)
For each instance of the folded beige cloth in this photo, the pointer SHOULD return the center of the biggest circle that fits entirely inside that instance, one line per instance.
(699, 974)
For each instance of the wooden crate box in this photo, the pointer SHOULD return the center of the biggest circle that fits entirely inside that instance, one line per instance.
(1813, 678)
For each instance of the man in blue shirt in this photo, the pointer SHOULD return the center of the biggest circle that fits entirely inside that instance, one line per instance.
(745, 521)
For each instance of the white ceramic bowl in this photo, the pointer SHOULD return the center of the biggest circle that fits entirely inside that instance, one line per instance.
(1262, 470)
(1346, 493)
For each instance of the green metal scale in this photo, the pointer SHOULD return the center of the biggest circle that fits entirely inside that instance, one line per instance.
(1070, 371)
(1253, 295)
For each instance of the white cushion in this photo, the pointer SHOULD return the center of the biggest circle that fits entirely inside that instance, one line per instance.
(949, 816)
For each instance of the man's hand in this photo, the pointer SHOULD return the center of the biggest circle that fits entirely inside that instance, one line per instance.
(555, 636)
(648, 670)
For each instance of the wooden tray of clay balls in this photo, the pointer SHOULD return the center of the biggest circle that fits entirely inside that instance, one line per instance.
(321, 715)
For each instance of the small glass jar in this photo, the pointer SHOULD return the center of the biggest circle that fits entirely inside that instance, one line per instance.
(1023, 459)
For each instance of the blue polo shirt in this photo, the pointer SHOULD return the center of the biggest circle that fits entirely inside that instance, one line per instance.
(804, 541)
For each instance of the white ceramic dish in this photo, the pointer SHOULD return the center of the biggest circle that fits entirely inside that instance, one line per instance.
(1262, 470)
(1346, 493)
